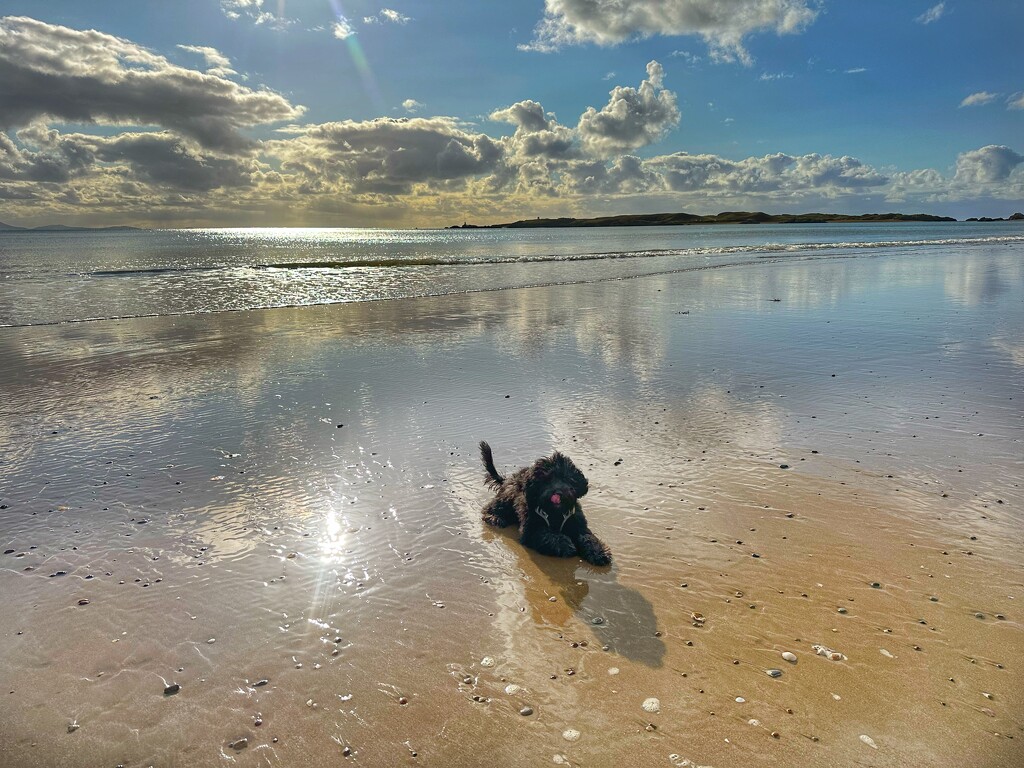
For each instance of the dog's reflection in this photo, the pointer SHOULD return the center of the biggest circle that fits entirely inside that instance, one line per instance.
(626, 620)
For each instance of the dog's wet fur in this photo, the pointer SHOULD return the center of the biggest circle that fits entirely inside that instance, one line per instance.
(543, 500)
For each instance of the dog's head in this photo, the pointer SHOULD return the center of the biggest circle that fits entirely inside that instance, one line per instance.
(554, 487)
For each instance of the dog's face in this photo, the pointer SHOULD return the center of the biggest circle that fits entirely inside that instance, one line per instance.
(554, 488)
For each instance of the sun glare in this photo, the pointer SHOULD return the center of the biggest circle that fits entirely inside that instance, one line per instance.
(355, 50)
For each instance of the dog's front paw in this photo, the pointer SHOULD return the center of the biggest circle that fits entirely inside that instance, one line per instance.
(597, 558)
(593, 550)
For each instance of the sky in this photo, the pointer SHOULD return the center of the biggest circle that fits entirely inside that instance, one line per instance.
(427, 113)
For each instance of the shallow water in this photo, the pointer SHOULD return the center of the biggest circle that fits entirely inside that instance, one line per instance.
(56, 277)
(199, 462)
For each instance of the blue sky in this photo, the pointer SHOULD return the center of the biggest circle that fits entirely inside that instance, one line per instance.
(417, 113)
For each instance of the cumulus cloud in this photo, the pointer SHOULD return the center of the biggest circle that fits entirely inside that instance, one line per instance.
(979, 98)
(722, 23)
(987, 165)
(934, 13)
(632, 118)
(387, 156)
(538, 135)
(1016, 101)
(60, 74)
(411, 105)
(822, 174)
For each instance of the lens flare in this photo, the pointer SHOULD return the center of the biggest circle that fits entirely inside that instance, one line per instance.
(355, 51)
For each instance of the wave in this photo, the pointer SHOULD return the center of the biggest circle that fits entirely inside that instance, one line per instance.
(768, 249)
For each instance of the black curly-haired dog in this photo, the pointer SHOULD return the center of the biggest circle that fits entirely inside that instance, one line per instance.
(543, 500)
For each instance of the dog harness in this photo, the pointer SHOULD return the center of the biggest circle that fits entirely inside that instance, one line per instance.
(547, 520)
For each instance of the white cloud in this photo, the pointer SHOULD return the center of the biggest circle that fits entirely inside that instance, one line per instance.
(59, 74)
(1016, 101)
(934, 13)
(690, 58)
(855, 70)
(253, 10)
(770, 76)
(342, 29)
(387, 16)
(979, 98)
(411, 105)
(722, 23)
(770, 175)
(217, 63)
(632, 118)
(987, 165)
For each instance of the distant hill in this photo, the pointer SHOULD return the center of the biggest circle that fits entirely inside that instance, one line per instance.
(65, 228)
(727, 217)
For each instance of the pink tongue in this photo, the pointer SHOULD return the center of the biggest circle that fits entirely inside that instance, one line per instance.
(556, 499)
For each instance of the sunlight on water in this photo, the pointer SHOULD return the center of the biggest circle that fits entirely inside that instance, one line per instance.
(65, 277)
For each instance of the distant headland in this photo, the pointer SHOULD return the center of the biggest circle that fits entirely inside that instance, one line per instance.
(727, 217)
(65, 228)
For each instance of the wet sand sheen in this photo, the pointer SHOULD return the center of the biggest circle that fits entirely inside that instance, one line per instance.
(292, 496)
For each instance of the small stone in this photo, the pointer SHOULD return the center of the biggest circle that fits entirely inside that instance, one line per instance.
(783, 466)
(346, 751)
(776, 735)
(403, 701)
(260, 683)
(172, 689)
(790, 657)
(774, 673)
(934, 599)
(571, 734)
(842, 610)
(526, 711)
(988, 695)
(487, 661)
(73, 727)
(84, 601)
(876, 585)
(869, 741)
(239, 745)
(597, 620)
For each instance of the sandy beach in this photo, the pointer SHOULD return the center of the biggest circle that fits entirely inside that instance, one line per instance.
(278, 512)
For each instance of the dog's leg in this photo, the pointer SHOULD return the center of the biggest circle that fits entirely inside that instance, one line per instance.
(547, 542)
(592, 549)
(499, 513)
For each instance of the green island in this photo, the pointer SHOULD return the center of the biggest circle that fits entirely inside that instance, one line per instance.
(726, 217)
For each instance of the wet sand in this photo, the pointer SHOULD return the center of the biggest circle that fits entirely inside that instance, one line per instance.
(278, 511)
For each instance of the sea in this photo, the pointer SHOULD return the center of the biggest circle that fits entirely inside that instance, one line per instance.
(49, 277)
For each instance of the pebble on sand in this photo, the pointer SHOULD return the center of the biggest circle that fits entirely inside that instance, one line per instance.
(651, 705)
(773, 672)
(239, 745)
(571, 734)
(789, 656)
(526, 711)
(172, 689)
(487, 661)
(869, 741)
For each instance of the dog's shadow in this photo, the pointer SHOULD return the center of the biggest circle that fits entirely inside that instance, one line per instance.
(618, 616)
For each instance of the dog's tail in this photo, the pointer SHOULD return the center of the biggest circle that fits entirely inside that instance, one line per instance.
(493, 478)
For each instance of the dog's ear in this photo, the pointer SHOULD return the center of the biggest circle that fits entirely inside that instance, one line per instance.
(579, 483)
